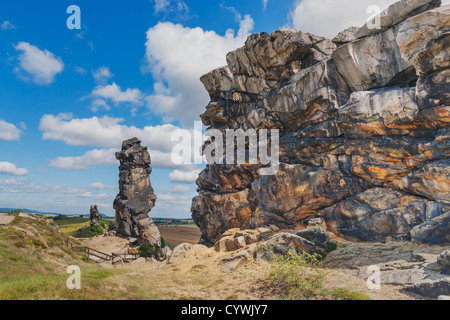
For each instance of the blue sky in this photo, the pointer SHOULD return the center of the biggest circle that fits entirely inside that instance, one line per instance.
(69, 97)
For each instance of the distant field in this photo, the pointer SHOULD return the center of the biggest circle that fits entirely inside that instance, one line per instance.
(173, 234)
(178, 234)
(69, 225)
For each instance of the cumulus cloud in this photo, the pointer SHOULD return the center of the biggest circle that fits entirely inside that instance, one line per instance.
(6, 25)
(8, 131)
(177, 57)
(102, 75)
(114, 93)
(41, 66)
(329, 17)
(181, 176)
(11, 169)
(107, 132)
(103, 132)
(91, 158)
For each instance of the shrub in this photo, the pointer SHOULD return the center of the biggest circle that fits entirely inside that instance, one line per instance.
(13, 212)
(297, 275)
(148, 252)
(163, 243)
(104, 224)
(95, 231)
(85, 258)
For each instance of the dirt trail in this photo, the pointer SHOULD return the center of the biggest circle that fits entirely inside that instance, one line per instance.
(204, 278)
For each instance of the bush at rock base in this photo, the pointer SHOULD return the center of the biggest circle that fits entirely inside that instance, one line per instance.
(297, 275)
(148, 252)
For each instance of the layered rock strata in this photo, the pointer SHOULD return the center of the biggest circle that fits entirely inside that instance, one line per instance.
(364, 131)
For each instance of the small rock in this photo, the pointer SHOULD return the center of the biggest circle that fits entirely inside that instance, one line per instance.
(280, 244)
(132, 241)
(117, 260)
(139, 260)
(181, 251)
(315, 222)
(239, 242)
(444, 260)
(314, 234)
(429, 288)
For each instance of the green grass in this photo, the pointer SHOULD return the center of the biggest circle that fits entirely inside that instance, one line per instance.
(344, 294)
(34, 261)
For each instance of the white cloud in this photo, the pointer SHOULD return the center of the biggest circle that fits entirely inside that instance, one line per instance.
(177, 57)
(102, 75)
(329, 17)
(265, 2)
(41, 66)
(8, 131)
(114, 93)
(103, 132)
(180, 176)
(80, 70)
(179, 189)
(107, 132)
(91, 158)
(6, 25)
(100, 186)
(99, 104)
(11, 169)
(177, 8)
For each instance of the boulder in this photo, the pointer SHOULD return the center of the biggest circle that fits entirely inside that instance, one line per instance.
(381, 214)
(368, 63)
(396, 13)
(431, 289)
(346, 36)
(444, 260)
(434, 231)
(180, 252)
(280, 244)
(316, 234)
(386, 111)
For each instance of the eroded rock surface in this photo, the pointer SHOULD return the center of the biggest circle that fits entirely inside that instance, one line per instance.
(363, 120)
(136, 197)
(94, 215)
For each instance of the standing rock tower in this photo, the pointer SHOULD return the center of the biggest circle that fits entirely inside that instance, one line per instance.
(136, 197)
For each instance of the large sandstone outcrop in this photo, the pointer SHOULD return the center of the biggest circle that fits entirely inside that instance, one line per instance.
(364, 131)
(136, 197)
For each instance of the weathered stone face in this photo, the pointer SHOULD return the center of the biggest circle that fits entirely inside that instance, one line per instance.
(136, 197)
(364, 130)
(94, 215)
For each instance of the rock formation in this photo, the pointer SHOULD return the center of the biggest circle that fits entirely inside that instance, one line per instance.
(136, 197)
(363, 123)
(94, 215)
